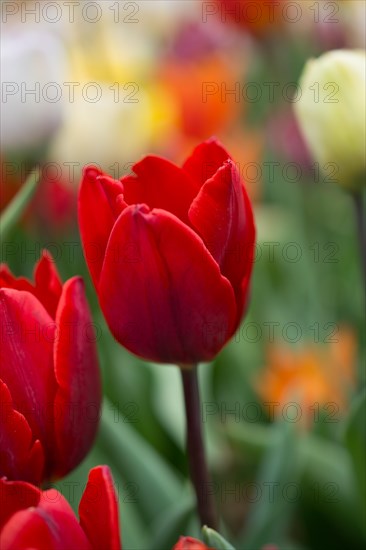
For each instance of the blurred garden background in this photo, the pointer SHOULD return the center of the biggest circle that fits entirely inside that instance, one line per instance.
(283, 405)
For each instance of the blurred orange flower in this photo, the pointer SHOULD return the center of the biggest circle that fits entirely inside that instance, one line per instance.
(205, 75)
(318, 374)
(201, 88)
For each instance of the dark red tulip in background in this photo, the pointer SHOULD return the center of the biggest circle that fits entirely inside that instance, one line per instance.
(170, 251)
(260, 17)
(43, 520)
(49, 375)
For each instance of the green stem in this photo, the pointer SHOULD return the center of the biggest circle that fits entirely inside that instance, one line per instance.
(361, 228)
(195, 448)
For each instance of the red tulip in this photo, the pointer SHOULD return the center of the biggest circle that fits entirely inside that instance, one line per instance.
(170, 251)
(49, 375)
(258, 17)
(189, 543)
(43, 520)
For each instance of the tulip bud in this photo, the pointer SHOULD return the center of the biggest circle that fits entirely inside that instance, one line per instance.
(332, 114)
(49, 375)
(170, 251)
(189, 543)
(32, 518)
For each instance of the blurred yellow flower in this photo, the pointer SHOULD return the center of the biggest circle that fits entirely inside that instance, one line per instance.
(114, 112)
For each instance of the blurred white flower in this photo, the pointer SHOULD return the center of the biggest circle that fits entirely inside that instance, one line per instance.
(32, 72)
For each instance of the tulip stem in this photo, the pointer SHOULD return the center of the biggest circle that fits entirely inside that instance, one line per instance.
(195, 448)
(361, 228)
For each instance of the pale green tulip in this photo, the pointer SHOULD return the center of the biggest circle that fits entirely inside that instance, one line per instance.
(332, 115)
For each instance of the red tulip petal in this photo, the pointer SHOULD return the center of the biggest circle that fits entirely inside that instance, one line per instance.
(249, 247)
(170, 302)
(223, 217)
(160, 184)
(96, 218)
(114, 192)
(27, 530)
(28, 334)
(15, 496)
(51, 525)
(205, 160)
(48, 283)
(47, 286)
(98, 510)
(20, 456)
(8, 280)
(70, 533)
(78, 396)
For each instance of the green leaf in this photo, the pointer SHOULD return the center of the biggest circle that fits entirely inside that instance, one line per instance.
(315, 453)
(157, 485)
(252, 438)
(325, 476)
(215, 540)
(355, 439)
(16, 207)
(271, 513)
(170, 525)
(326, 462)
(170, 410)
(328, 485)
(354, 434)
(326, 482)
